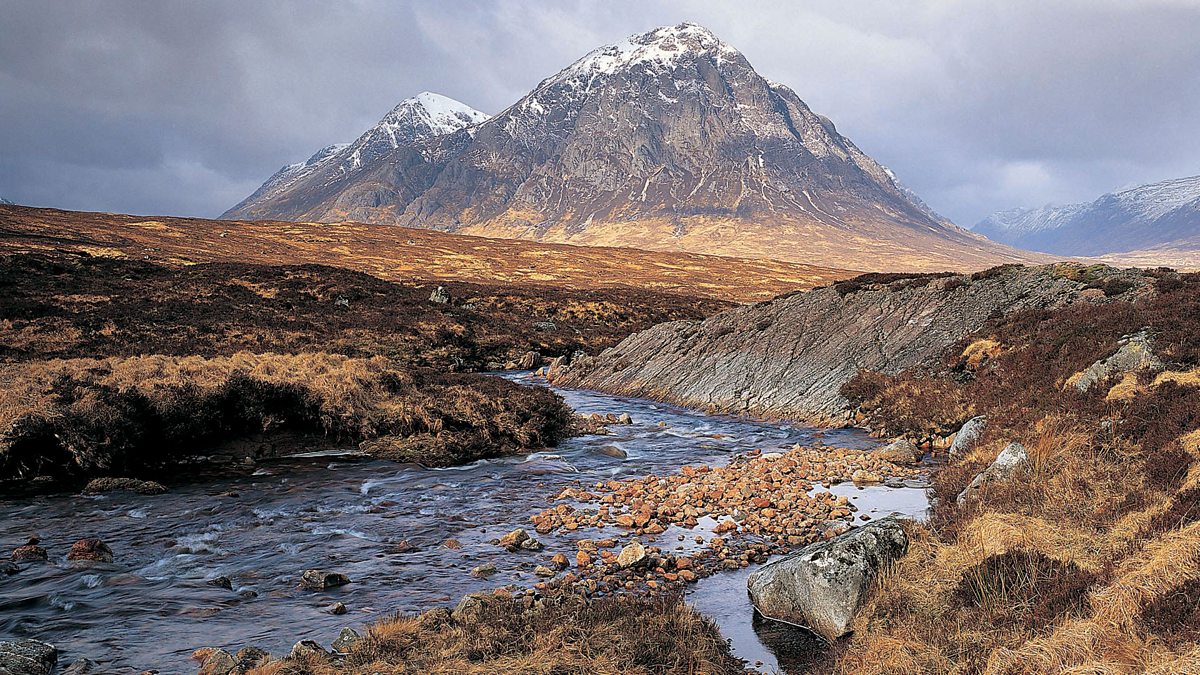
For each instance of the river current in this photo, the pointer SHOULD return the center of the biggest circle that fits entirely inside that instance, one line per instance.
(153, 605)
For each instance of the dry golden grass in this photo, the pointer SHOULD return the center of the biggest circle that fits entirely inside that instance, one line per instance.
(609, 636)
(1088, 561)
(403, 254)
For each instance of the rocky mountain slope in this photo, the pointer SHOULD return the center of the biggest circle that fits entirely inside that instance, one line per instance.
(789, 357)
(1148, 216)
(667, 140)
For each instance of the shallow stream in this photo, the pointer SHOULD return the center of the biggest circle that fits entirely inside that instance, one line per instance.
(152, 606)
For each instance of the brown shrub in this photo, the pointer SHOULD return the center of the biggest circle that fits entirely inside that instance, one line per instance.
(139, 415)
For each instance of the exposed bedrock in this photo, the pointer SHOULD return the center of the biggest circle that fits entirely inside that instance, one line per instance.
(789, 357)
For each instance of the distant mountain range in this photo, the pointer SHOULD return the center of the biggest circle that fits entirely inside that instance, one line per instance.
(668, 140)
(1164, 216)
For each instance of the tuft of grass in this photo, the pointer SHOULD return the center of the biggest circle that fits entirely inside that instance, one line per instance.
(567, 635)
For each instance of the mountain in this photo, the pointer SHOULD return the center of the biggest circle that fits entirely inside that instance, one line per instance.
(668, 140)
(1160, 216)
(413, 120)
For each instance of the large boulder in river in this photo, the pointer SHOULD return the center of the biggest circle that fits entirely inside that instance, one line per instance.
(789, 357)
(823, 585)
(142, 487)
(1012, 459)
(90, 549)
(27, 657)
(321, 580)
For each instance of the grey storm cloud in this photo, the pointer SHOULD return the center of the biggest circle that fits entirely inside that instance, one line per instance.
(184, 108)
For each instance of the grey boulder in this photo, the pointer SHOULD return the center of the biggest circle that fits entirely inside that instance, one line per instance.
(968, 436)
(822, 586)
(1006, 465)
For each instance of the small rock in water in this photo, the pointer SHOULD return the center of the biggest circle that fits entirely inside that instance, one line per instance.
(337, 608)
(82, 667)
(452, 544)
(543, 571)
(250, 657)
(483, 571)
(624, 418)
(345, 640)
(142, 487)
(401, 546)
(612, 451)
(632, 554)
(27, 657)
(248, 594)
(303, 647)
(320, 580)
(519, 539)
(214, 661)
(560, 561)
(29, 552)
(91, 549)
(221, 582)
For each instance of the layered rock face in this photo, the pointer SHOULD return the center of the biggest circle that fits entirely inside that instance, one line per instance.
(789, 357)
(668, 140)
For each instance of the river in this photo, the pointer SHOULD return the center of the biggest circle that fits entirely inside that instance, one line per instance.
(153, 605)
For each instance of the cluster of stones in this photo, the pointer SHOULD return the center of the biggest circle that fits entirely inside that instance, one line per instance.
(766, 495)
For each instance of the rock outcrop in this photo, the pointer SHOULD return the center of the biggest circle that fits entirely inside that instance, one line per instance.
(823, 585)
(1007, 464)
(1134, 354)
(789, 357)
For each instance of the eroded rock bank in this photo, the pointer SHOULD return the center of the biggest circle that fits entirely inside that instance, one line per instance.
(789, 357)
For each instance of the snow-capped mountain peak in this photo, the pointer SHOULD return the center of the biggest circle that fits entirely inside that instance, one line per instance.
(1124, 220)
(426, 115)
(661, 47)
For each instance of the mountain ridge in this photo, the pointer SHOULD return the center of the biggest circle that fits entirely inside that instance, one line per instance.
(668, 140)
(1143, 217)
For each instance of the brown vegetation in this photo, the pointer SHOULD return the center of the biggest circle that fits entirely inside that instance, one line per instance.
(1087, 560)
(402, 254)
(65, 306)
(613, 635)
(141, 415)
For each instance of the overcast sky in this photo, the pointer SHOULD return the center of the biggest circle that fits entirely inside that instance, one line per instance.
(184, 108)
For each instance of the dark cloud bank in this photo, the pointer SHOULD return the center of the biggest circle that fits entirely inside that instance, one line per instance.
(185, 107)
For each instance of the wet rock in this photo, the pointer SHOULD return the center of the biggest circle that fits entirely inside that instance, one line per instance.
(469, 607)
(556, 368)
(248, 594)
(321, 580)
(823, 585)
(82, 667)
(1011, 460)
(452, 544)
(530, 360)
(624, 418)
(250, 657)
(612, 451)
(543, 571)
(901, 451)
(1134, 354)
(346, 640)
(968, 436)
(27, 657)
(337, 609)
(142, 487)
(631, 555)
(560, 561)
(401, 546)
(483, 571)
(440, 296)
(91, 549)
(519, 539)
(30, 552)
(307, 647)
